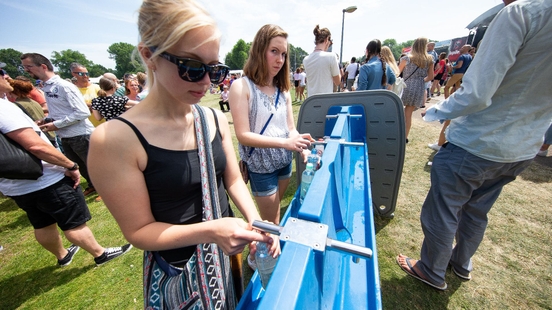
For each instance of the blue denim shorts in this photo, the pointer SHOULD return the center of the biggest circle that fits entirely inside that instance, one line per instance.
(266, 184)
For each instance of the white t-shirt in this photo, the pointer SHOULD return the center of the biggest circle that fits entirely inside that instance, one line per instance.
(320, 68)
(303, 80)
(352, 70)
(12, 118)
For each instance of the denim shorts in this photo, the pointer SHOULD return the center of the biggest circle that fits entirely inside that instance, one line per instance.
(266, 184)
(58, 203)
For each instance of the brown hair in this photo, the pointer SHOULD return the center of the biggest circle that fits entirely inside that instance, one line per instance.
(142, 78)
(38, 60)
(320, 35)
(256, 68)
(127, 83)
(21, 89)
(106, 85)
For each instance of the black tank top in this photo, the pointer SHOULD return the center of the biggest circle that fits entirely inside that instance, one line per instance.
(174, 187)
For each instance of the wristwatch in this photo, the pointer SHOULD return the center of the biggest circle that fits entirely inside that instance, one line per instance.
(75, 167)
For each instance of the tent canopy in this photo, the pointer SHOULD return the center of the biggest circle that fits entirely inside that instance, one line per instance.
(486, 18)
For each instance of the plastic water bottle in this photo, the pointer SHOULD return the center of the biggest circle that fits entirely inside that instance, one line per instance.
(314, 159)
(265, 263)
(306, 180)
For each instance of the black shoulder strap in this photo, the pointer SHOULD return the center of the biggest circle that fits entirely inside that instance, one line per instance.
(136, 131)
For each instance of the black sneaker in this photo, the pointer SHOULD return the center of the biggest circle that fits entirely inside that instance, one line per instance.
(73, 249)
(111, 253)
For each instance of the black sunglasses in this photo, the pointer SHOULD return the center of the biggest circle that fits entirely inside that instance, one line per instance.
(81, 73)
(2, 72)
(192, 70)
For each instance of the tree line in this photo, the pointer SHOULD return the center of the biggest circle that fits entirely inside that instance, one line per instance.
(127, 62)
(121, 53)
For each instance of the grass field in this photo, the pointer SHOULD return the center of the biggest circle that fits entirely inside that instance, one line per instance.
(512, 268)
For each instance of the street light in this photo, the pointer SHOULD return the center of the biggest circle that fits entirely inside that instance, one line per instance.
(350, 9)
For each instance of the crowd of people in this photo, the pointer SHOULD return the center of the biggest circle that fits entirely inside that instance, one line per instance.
(150, 145)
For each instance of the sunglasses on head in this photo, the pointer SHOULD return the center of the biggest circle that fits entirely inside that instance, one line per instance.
(81, 73)
(192, 70)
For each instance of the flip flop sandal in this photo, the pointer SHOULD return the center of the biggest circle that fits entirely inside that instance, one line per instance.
(416, 276)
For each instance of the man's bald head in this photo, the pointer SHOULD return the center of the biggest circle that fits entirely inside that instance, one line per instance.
(111, 76)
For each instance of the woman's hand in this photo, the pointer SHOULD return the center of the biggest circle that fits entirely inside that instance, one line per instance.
(233, 234)
(299, 142)
(274, 250)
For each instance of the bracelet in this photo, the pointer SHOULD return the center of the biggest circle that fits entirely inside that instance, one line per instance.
(75, 167)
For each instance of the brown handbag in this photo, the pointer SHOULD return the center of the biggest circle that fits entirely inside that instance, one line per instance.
(243, 170)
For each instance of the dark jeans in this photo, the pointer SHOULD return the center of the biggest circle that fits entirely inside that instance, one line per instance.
(464, 187)
(76, 149)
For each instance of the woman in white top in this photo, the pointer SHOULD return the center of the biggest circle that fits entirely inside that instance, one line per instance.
(261, 99)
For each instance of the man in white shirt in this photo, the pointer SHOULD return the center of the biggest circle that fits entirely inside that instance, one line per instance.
(68, 112)
(55, 198)
(498, 120)
(352, 70)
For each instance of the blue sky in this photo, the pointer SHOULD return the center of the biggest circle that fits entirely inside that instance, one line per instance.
(90, 27)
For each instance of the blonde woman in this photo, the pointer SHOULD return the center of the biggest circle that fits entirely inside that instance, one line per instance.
(417, 69)
(387, 55)
(167, 167)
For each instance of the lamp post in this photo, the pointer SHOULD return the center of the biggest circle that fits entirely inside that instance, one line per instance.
(350, 9)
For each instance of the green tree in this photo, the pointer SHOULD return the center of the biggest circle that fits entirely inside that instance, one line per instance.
(63, 60)
(122, 53)
(397, 48)
(97, 70)
(296, 56)
(11, 58)
(238, 56)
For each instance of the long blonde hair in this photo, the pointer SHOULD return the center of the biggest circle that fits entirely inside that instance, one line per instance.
(419, 55)
(387, 55)
(162, 23)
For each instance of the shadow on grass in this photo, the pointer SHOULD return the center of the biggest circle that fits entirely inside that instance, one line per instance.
(8, 205)
(16, 290)
(409, 293)
(21, 221)
(381, 222)
(540, 170)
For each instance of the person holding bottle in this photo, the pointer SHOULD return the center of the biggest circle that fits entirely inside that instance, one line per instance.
(166, 168)
(263, 121)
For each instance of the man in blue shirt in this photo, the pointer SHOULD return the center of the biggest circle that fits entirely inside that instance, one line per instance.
(498, 120)
(459, 69)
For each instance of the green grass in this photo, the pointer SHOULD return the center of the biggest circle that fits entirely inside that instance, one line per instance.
(512, 268)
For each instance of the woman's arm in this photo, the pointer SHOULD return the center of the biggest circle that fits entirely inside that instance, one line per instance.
(239, 100)
(97, 115)
(429, 76)
(131, 103)
(363, 78)
(116, 160)
(233, 181)
(402, 64)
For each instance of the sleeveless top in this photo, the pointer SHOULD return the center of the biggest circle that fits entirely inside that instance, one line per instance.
(261, 106)
(173, 180)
